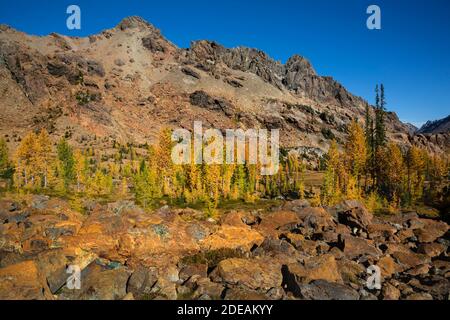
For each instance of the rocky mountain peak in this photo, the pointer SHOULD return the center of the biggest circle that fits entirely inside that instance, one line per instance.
(299, 64)
(135, 22)
(437, 126)
(5, 27)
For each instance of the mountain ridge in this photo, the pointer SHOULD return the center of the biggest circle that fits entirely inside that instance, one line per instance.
(128, 82)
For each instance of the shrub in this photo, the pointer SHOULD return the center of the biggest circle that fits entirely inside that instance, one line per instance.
(328, 134)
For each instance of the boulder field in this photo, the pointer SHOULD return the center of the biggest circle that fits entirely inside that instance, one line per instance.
(293, 251)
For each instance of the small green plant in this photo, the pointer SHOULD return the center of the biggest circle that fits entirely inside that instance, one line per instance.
(161, 230)
(83, 98)
(307, 109)
(327, 118)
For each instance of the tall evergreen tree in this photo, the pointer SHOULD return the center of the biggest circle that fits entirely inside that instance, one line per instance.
(379, 134)
(5, 165)
(368, 128)
(380, 129)
(370, 147)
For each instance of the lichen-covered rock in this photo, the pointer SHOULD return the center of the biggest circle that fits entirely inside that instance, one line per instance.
(229, 237)
(315, 268)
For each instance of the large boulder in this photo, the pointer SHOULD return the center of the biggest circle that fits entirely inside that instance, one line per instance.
(98, 283)
(278, 221)
(381, 231)
(208, 290)
(324, 290)
(142, 281)
(432, 249)
(252, 274)
(315, 220)
(122, 233)
(354, 247)
(388, 266)
(229, 237)
(23, 281)
(390, 292)
(315, 268)
(296, 205)
(354, 214)
(351, 271)
(431, 230)
(410, 259)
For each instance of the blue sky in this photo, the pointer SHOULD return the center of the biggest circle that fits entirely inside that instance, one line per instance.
(410, 55)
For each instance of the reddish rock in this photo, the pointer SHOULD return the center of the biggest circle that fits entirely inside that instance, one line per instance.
(142, 281)
(350, 271)
(316, 220)
(322, 267)
(420, 296)
(234, 218)
(410, 259)
(381, 230)
(199, 269)
(99, 284)
(354, 214)
(324, 290)
(274, 223)
(229, 237)
(244, 295)
(252, 274)
(405, 234)
(296, 205)
(23, 281)
(388, 266)
(355, 247)
(431, 231)
(389, 292)
(431, 249)
(422, 269)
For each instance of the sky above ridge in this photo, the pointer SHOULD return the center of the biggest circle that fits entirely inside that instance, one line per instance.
(410, 54)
